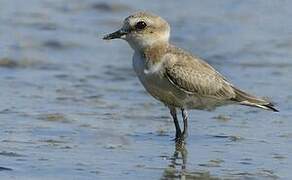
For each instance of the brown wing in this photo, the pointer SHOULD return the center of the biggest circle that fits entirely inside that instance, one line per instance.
(197, 77)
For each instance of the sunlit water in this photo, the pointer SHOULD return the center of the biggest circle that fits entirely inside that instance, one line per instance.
(72, 108)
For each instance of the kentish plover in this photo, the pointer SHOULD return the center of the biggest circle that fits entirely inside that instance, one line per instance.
(174, 76)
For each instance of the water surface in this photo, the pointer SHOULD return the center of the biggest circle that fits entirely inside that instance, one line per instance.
(72, 108)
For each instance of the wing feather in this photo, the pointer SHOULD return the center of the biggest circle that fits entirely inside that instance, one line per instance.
(195, 76)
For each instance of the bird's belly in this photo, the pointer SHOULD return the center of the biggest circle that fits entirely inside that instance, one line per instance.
(165, 92)
(170, 95)
(202, 103)
(162, 90)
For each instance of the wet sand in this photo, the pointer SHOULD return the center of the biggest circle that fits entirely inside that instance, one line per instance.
(72, 108)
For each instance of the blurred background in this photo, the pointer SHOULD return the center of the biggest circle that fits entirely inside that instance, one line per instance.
(72, 108)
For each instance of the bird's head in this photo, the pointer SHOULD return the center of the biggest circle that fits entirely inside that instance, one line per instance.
(142, 30)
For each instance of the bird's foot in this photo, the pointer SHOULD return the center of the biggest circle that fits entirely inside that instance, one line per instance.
(181, 137)
(185, 134)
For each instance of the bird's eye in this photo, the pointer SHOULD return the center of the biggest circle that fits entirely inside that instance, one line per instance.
(140, 25)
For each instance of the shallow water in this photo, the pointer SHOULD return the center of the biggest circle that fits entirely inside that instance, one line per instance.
(72, 108)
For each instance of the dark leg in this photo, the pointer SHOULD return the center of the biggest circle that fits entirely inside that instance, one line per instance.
(177, 128)
(185, 117)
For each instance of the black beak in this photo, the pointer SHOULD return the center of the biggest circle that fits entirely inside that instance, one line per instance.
(115, 35)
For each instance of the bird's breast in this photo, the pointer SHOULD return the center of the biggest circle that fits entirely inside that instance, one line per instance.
(152, 78)
(148, 74)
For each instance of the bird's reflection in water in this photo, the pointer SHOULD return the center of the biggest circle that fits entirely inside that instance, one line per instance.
(177, 168)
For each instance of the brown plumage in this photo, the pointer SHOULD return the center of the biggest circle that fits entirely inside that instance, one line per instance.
(174, 76)
(195, 76)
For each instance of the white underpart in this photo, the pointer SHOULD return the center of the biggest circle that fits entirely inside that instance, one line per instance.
(154, 68)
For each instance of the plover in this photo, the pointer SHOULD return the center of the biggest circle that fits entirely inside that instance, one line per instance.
(175, 77)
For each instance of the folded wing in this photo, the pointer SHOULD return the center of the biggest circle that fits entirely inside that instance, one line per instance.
(197, 77)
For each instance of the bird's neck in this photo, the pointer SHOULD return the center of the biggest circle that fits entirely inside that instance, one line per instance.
(153, 54)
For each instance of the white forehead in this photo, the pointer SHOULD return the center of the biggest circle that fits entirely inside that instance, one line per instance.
(148, 18)
(133, 20)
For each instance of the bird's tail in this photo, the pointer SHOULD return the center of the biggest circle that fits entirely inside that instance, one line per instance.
(249, 100)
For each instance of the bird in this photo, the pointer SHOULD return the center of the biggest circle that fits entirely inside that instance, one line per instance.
(180, 80)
